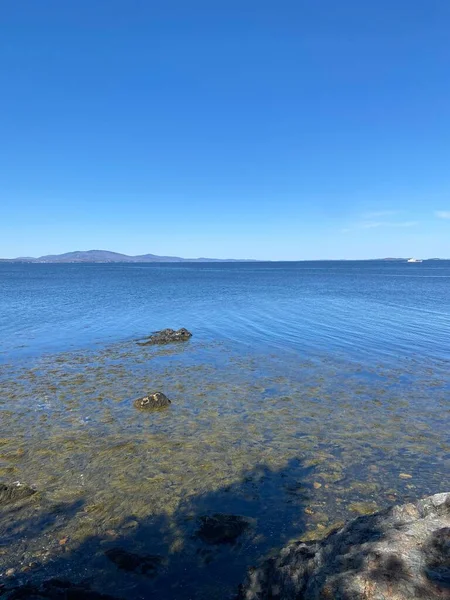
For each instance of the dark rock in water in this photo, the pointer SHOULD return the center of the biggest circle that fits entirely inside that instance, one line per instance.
(156, 400)
(402, 553)
(14, 492)
(134, 563)
(54, 589)
(222, 529)
(167, 336)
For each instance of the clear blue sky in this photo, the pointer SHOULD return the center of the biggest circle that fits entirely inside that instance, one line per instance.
(225, 128)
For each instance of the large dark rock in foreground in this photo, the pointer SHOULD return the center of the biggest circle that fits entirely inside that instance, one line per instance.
(402, 553)
(167, 336)
(152, 401)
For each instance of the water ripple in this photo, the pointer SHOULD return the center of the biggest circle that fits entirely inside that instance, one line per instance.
(360, 309)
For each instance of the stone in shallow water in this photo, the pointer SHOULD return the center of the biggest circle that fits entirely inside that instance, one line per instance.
(134, 563)
(402, 553)
(222, 529)
(14, 492)
(167, 336)
(155, 400)
(55, 589)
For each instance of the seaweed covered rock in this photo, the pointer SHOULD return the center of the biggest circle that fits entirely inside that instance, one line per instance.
(402, 553)
(152, 401)
(14, 493)
(167, 336)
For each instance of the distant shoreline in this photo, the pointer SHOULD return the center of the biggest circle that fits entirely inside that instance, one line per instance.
(109, 257)
(56, 261)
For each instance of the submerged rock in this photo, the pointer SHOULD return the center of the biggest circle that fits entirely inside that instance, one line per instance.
(222, 529)
(402, 553)
(135, 563)
(14, 492)
(54, 589)
(155, 400)
(167, 336)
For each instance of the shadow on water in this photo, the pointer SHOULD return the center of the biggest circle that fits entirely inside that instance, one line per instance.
(25, 526)
(202, 550)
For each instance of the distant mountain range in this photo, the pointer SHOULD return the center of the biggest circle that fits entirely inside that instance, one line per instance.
(104, 256)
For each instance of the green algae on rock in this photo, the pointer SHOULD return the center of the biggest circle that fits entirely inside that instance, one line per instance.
(14, 492)
(167, 336)
(152, 401)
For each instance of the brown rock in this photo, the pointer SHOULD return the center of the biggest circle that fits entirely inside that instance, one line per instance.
(152, 401)
(167, 336)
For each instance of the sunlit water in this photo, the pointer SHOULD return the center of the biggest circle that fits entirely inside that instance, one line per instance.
(308, 394)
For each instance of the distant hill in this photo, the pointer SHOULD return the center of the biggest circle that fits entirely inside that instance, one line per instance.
(393, 259)
(105, 256)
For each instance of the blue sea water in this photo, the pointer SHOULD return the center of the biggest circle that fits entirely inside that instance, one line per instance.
(310, 393)
(374, 309)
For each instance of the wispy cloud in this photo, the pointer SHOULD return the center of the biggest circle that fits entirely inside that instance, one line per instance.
(380, 213)
(442, 214)
(374, 224)
(371, 224)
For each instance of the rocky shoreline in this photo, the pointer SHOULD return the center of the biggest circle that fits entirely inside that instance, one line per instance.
(402, 553)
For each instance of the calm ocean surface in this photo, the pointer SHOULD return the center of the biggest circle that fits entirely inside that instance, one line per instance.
(310, 393)
(375, 309)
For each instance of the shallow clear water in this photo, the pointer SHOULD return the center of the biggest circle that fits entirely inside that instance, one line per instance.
(309, 393)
